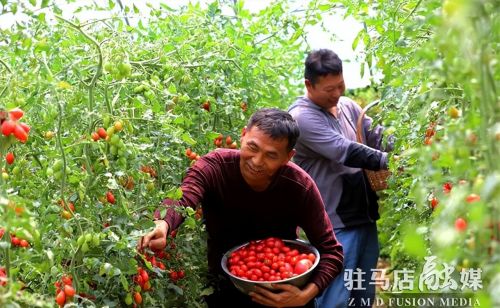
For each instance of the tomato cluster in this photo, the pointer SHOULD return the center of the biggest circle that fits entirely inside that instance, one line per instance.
(229, 143)
(12, 126)
(17, 242)
(3, 277)
(64, 290)
(150, 170)
(67, 209)
(269, 260)
(192, 155)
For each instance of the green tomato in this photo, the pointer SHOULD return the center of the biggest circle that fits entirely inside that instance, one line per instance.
(16, 171)
(108, 67)
(80, 240)
(110, 131)
(58, 164)
(85, 247)
(96, 240)
(106, 120)
(125, 69)
(128, 299)
(115, 140)
(88, 237)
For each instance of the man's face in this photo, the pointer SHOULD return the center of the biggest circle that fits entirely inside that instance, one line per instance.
(261, 157)
(327, 90)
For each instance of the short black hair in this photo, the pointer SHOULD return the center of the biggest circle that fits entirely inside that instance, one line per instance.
(322, 62)
(276, 123)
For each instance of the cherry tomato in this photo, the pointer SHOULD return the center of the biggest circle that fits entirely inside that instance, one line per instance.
(9, 158)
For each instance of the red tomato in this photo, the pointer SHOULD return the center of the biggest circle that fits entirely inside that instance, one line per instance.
(470, 198)
(9, 158)
(8, 127)
(15, 241)
(447, 187)
(15, 114)
(145, 276)
(302, 266)
(102, 133)
(67, 279)
(137, 298)
(95, 136)
(110, 197)
(434, 203)
(460, 224)
(173, 276)
(24, 243)
(61, 298)
(25, 127)
(206, 106)
(69, 290)
(20, 133)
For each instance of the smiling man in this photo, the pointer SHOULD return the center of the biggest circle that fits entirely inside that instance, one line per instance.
(252, 194)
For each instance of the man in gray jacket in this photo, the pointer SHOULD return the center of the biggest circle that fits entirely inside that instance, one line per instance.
(328, 151)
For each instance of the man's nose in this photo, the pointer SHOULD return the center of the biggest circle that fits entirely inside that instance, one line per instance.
(257, 159)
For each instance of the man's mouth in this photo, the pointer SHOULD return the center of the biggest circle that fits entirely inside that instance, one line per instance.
(254, 170)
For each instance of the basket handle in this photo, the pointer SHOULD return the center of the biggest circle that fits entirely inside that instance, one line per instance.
(359, 124)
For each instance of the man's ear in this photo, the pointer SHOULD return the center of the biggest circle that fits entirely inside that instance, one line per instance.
(308, 84)
(243, 131)
(290, 154)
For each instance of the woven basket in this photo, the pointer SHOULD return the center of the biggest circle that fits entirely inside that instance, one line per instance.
(377, 179)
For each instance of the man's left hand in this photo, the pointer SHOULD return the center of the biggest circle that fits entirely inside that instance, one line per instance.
(289, 296)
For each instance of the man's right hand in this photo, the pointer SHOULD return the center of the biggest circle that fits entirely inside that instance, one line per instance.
(156, 239)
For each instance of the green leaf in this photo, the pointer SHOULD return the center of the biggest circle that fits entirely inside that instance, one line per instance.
(186, 137)
(124, 282)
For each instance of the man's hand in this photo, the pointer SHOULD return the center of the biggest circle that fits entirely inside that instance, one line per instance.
(156, 239)
(290, 296)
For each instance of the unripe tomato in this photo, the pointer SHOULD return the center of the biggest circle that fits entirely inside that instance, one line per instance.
(110, 131)
(118, 126)
(128, 299)
(9, 158)
(49, 135)
(454, 112)
(66, 214)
